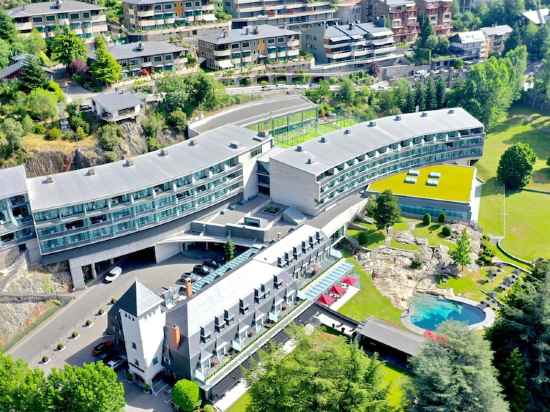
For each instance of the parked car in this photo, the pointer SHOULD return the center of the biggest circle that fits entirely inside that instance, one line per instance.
(212, 263)
(116, 363)
(102, 347)
(201, 270)
(113, 274)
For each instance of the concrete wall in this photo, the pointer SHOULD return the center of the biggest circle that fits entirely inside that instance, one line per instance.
(164, 251)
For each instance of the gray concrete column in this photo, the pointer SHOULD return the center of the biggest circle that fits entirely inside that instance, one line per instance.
(94, 271)
(77, 275)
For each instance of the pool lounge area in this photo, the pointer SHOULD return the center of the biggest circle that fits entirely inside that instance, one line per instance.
(427, 311)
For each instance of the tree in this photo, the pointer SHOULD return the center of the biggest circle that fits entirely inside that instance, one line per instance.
(11, 133)
(385, 210)
(186, 395)
(441, 218)
(104, 67)
(346, 94)
(153, 125)
(523, 326)
(410, 103)
(21, 388)
(516, 166)
(318, 376)
(178, 119)
(420, 96)
(33, 75)
(229, 250)
(440, 92)
(461, 252)
(513, 378)
(427, 219)
(431, 97)
(41, 104)
(8, 32)
(67, 47)
(5, 53)
(93, 387)
(109, 137)
(453, 373)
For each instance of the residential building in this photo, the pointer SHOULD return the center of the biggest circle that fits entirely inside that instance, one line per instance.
(85, 19)
(537, 17)
(399, 15)
(353, 44)
(318, 173)
(348, 11)
(496, 37)
(295, 15)
(16, 225)
(117, 106)
(248, 46)
(147, 57)
(157, 19)
(470, 45)
(439, 13)
(18, 63)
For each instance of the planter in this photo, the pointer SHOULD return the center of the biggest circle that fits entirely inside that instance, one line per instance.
(74, 335)
(45, 360)
(88, 324)
(60, 347)
(100, 312)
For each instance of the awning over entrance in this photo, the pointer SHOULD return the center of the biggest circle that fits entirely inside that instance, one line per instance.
(391, 336)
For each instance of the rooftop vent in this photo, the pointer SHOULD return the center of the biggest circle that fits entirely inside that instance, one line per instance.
(309, 161)
(192, 142)
(57, 4)
(350, 26)
(398, 117)
(90, 172)
(262, 133)
(347, 131)
(424, 114)
(233, 145)
(128, 163)
(163, 153)
(139, 46)
(299, 148)
(48, 179)
(451, 111)
(372, 123)
(323, 139)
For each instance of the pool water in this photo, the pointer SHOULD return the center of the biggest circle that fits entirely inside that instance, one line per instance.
(429, 311)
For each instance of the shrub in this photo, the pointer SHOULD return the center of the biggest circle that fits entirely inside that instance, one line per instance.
(110, 156)
(427, 219)
(39, 128)
(80, 133)
(417, 261)
(178, 119)
(186, 395)
(54, 134)
(441, 218)
(363, 238)
(153, 125)
(109, 137)
(28, 124)
(446, 231)
(153, 144)
(208, 408)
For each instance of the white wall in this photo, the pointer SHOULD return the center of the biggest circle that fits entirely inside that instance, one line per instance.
(147, 332)
(164, 251)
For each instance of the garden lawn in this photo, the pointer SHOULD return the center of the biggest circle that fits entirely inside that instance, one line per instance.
(475, 285)
(241, 404)
(431, 232)
(397, 379)
(369, 301)
(491, 213)
(375, 237)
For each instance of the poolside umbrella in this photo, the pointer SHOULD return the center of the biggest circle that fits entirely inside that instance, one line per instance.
(350, 280)
(339, 290)
(326, 299)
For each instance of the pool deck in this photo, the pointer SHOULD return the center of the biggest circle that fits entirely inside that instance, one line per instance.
(488, 321)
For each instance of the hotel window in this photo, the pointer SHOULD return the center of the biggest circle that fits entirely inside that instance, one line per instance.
(205, 336)
(243, 306)
(50, 18)
(37, 20)
(85, 15)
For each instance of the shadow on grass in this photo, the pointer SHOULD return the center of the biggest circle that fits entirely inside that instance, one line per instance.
(492, 187)
(374, 236)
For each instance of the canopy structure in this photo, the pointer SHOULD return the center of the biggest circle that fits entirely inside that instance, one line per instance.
(350, 280)
(326, 299)
(339, 290)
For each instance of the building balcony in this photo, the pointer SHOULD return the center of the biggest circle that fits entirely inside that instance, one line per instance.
(146, 13)
(24, 26)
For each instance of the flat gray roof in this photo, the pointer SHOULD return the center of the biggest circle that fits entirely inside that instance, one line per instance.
(12, 181)
(49, 7)
(261, 31)
(402, 340)
(315, 157)
(147, 2)
(497, 30)
(357, 30)
(148, 170)
(114, 101)
(140, 49)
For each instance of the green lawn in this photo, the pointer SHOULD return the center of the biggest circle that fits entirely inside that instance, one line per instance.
(491, 212)
(431, 232)
(475, 285)
(241, 404)
(397, 379)
(375, 237)
(369, 301)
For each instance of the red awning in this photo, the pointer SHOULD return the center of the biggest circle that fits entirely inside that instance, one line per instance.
(339, 290)
(350, 280)
(326, 300)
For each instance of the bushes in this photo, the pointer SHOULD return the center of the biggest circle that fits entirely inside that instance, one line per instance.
(363, 238)
(427, 219)
(186, 395)
(54, 134)
(109, 137)
(153, 125)
(441, 218)
(178, 119)
(446, 231)
(487, 252)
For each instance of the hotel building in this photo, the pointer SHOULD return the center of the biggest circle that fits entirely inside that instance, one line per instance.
(399, 15)
(263, 44)
(85, 19)
(439, 13)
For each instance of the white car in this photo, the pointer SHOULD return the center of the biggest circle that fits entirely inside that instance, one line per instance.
(113, 274)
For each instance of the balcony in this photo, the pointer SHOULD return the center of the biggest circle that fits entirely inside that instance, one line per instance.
(146, 13)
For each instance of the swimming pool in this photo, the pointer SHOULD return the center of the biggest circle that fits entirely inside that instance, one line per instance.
(429, 311)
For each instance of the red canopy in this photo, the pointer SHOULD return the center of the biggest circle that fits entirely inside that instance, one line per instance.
(350, 280)
(326, 299)
(339, 290)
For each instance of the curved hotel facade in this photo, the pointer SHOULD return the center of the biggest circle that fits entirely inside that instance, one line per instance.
(97, 214)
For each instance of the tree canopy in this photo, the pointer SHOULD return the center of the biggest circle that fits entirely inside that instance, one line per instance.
(454, 373)
(66, 46)
(186, 395)
(104, 68)
(515, 166)
(384, 210)
(461, 252)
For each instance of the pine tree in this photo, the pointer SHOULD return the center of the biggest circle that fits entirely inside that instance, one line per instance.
(513, 378)
(461, 252)
(431, 98)
(105, 69)
(420, 96)
(67, 47)
(33, 75)
(410, 102)
(440, 92)
(385, 210)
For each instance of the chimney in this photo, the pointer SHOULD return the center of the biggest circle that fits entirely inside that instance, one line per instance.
(175, 336)
(350, 26)
(188, 288)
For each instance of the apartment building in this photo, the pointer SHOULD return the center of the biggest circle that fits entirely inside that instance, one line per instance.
(117, 106)
(353, 44)
(318, 173)
(496, 37)
(470, 45)
(85, 19)
(439, 13)
(295, 14)
(146, 58)
(399, 15)
(16, 225)
(252, 45)
(348, 11)
(206, 325)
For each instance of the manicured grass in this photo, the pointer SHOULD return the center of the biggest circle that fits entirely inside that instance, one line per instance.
(397, 379)
(295, 138)
(475, 285)
(241, 404)
(369, 301)
(431, 232)
(375, 238)
(455, 183)
(491, 213)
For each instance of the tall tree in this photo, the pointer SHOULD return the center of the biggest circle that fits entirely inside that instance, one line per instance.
(21, 388)
(8, 31)
(461, 252)
(104, 68)
(384, 210)
(33, 75)
(11, 133)
(431, 95)
(523, 325)
(454, 373)
(318, 376)
(515, 166)
(93, 387)
(440, 93)
(420, 96)
(186, 395)
(5, 53)
(67, 47)
(513, 378)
